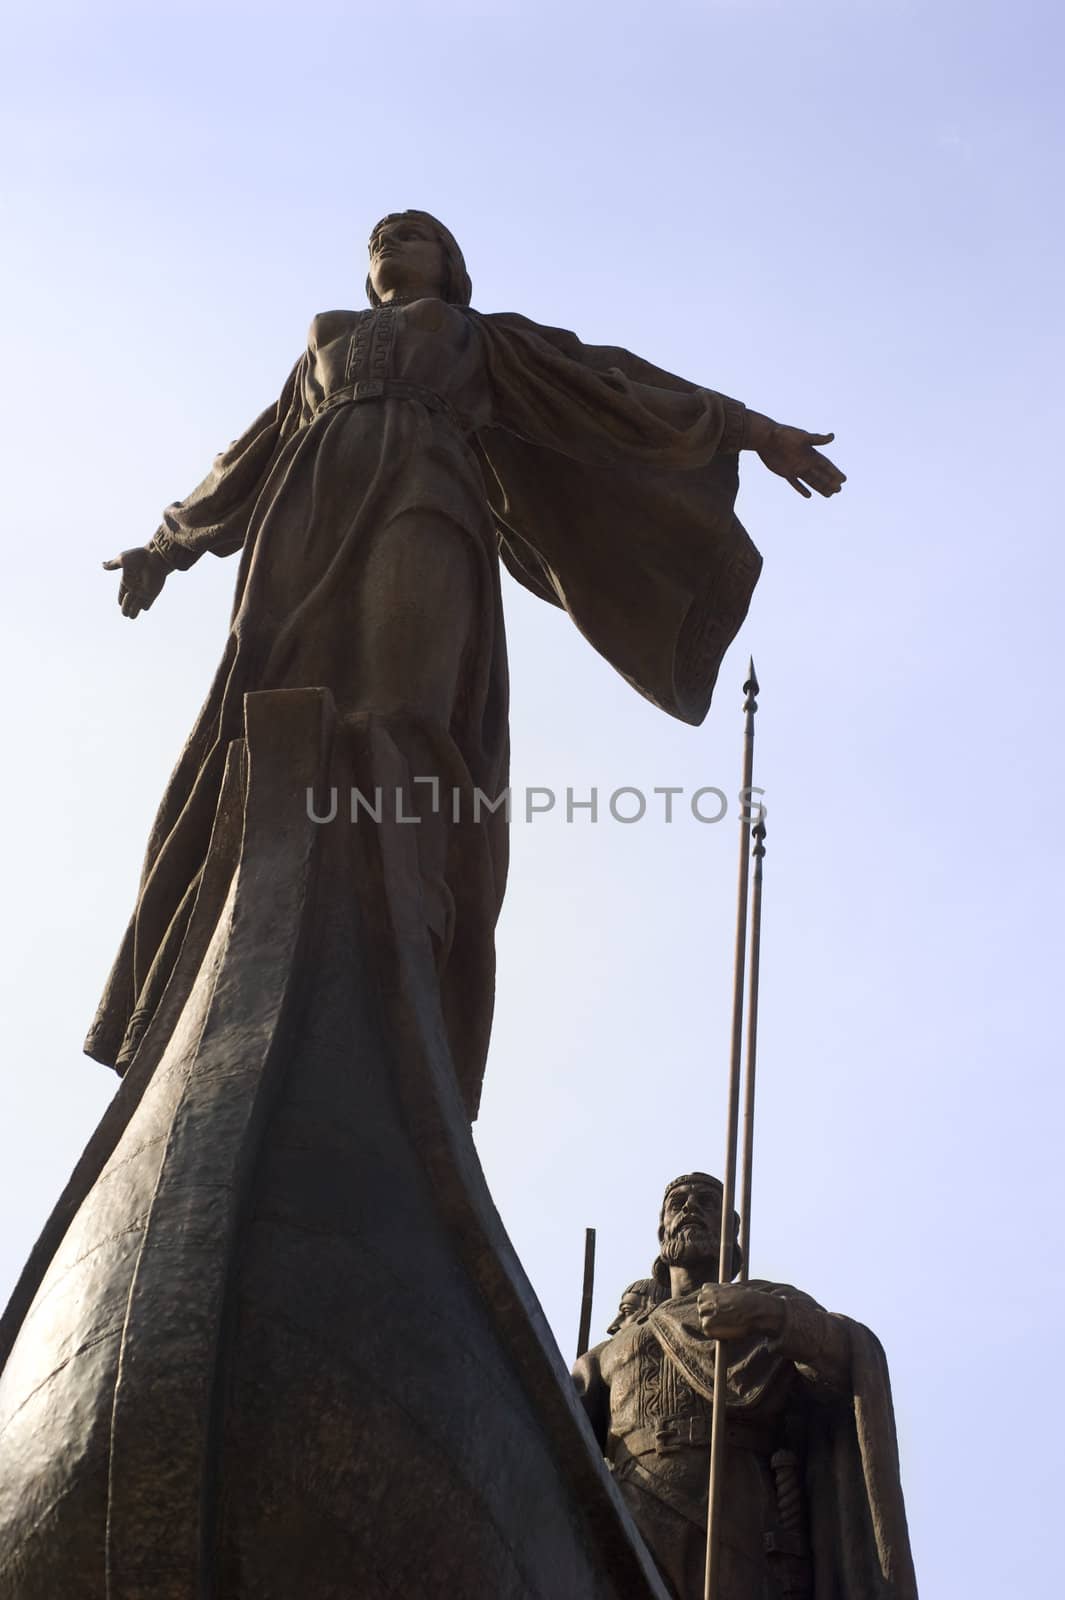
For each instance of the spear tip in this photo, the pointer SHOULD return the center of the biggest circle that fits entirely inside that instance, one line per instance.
(751, 687)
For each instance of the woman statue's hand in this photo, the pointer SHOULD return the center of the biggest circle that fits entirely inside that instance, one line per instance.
(143, 575)
(791, 454)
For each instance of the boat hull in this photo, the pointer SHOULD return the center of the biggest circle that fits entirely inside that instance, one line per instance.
(275, 1341)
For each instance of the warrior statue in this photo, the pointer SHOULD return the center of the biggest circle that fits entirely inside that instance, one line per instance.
(639, 1298)
(812, 1503)
(411, 443)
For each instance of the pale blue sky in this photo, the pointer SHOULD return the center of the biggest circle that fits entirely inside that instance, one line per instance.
(849, 216)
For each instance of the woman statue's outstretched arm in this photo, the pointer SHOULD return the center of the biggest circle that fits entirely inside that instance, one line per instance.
(216, 515)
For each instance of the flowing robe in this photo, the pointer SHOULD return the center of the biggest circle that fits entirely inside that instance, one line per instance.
(812, 1503)
(408, 446)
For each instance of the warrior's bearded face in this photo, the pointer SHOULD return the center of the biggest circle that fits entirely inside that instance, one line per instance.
(691, 1225)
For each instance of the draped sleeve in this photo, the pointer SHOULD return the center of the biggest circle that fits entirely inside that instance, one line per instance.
(216, 514)
(599, 404)
(613, 488)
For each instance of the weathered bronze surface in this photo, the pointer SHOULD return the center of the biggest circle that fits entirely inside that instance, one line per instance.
(273, 1341)
(639, 1298)
(412, 443)
(812, 1501)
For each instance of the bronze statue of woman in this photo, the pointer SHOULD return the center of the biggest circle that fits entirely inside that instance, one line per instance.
(411, 444)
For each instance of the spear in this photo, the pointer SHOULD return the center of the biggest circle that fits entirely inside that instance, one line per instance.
(758, 852)
(728, 1198)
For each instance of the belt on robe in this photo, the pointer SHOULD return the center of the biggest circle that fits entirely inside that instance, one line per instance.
(389, 389)
(680, 1433)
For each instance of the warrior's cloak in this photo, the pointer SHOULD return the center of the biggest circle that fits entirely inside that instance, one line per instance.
(819, 1393)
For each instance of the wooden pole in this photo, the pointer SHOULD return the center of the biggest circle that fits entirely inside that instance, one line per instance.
(585, 1326)
(728, 1198)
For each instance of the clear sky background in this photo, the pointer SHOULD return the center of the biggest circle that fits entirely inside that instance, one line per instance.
(846, 214)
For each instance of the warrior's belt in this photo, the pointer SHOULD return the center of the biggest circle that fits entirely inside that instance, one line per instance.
(679, 1433)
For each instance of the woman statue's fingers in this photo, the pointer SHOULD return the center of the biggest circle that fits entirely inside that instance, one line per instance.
(115, 565)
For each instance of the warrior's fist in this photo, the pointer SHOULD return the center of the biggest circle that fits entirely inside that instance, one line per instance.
(143, 576)
(736, 1311)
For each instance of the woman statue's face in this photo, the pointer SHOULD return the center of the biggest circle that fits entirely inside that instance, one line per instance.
(406, 257)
